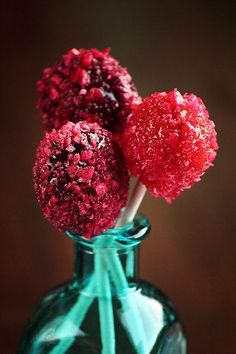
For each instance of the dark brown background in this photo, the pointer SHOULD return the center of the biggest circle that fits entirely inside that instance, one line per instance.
(191, 252)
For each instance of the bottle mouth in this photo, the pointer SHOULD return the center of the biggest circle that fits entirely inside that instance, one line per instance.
(131, 233)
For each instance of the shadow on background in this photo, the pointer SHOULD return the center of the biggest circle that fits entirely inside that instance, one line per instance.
(191, 251)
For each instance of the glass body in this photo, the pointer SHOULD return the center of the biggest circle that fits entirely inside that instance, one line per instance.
(105, 308)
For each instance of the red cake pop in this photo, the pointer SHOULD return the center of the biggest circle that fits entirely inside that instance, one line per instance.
(86, 84)
(169, 142)
(80, 178)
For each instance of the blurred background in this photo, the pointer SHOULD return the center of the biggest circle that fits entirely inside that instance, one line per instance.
(191, 252)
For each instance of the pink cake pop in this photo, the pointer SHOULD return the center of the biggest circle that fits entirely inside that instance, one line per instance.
(80, 178)
(86, 84)
(169, 142)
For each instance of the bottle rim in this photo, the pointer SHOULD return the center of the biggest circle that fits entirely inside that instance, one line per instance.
(129, 234)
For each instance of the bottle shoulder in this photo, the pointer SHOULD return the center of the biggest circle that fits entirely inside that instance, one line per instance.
(71, 311)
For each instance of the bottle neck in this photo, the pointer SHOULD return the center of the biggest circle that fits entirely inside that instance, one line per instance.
(125, 256)
(112, 256)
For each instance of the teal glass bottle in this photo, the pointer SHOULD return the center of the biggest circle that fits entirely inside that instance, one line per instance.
(105, 308)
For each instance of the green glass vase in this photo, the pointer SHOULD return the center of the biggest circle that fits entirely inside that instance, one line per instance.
(105, 308)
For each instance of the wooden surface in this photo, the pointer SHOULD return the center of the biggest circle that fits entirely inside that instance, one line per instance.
(191, 251)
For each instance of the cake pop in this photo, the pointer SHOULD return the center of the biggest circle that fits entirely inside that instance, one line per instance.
(86, 84)
(80, 178)
(169, 142)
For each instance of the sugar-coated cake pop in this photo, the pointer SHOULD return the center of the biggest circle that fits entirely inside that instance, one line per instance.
(86, 84)
(169, 142)
(80, 178)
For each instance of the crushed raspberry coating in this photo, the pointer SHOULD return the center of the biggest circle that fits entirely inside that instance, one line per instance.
(169, 142)
(86, 84)
(80, 178)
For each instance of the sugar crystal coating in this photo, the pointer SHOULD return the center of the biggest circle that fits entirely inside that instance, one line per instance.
(169, 142)
(86, 84)
(80, 178)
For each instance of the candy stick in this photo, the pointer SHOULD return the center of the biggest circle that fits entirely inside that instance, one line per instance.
(129, 268)
(130, 312)
(75, 315)
(106, 316)
(132, 205)
(108, 259)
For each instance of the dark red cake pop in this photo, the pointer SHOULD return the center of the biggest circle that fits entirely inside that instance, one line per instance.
(169, 142)
(80, 178)
(86, 84)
